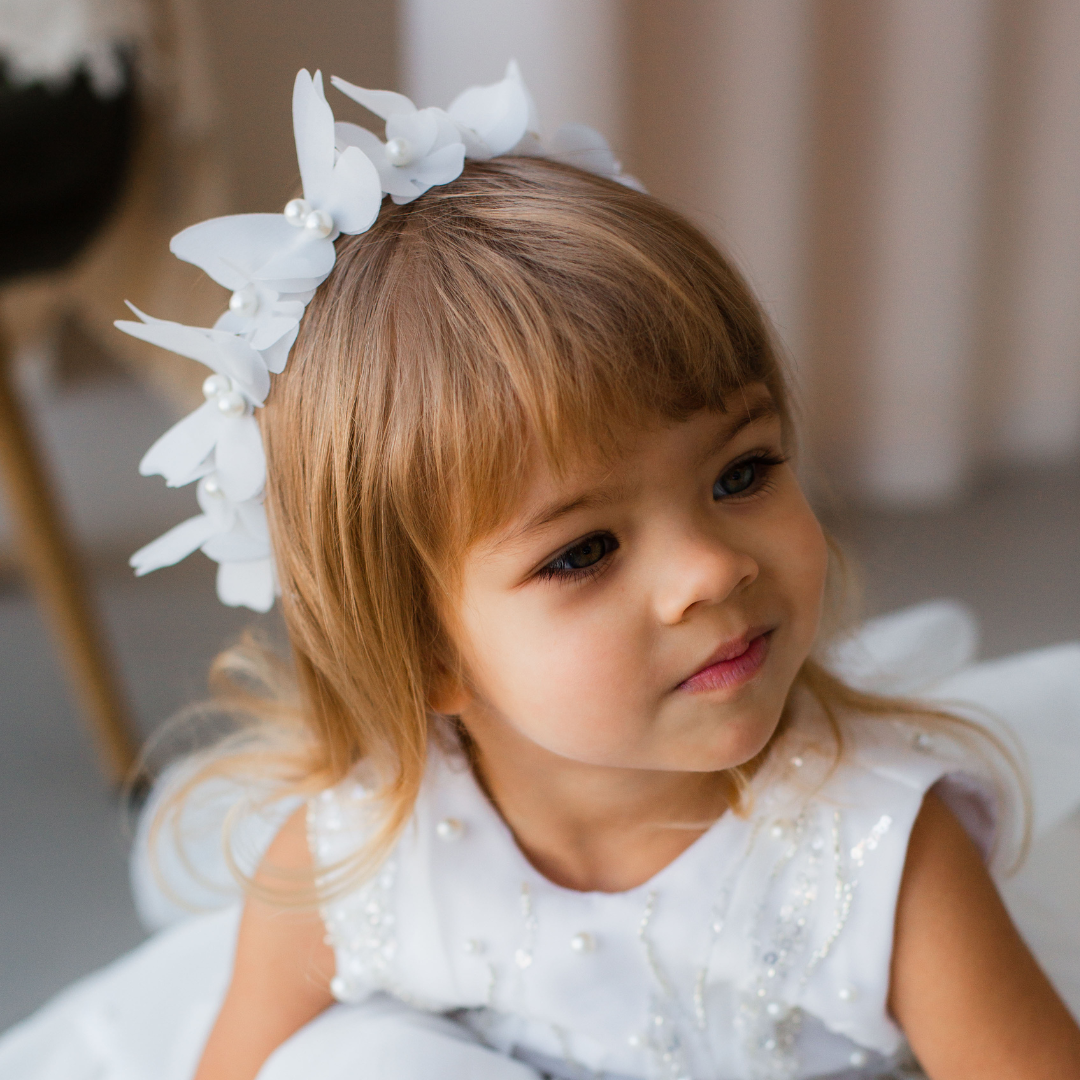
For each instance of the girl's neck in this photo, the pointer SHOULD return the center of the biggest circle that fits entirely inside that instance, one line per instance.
(595, 828)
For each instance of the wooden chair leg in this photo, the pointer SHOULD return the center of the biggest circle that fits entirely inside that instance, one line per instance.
(56, 577)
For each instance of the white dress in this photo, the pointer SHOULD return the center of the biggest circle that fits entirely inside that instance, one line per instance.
(762, 951)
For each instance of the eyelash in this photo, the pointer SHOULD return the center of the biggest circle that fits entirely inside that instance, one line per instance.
(765, 461)
(587, 573)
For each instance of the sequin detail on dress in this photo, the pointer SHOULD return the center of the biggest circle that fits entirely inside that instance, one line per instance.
(809, 870)
(361, 926)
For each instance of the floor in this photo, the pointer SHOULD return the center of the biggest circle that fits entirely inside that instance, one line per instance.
(1011, 552)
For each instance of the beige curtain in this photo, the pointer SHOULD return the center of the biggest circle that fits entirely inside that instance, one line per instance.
(900, 181)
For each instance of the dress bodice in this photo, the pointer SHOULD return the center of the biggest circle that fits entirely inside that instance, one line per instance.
(763, 950)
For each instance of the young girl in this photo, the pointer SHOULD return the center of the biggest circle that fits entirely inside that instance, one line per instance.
(580, 797)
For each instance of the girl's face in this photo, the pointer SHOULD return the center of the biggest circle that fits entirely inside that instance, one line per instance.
(649, 613)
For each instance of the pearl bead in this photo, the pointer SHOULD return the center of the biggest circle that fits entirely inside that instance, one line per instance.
(214, 385)
(523, 958)
(797, 762)
(232, 404)
(244, 302)
(859, 1058)
(399, 152)
(338, 986)
(212, 488)
(636, 1041)
(924, 742)
(296, 212)
(847, 993)
(583, 943)
(450, 829)
(319, 222)
(777, 830)
(773, 1008)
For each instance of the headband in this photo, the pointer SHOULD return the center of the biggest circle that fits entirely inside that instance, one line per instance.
(273, 263)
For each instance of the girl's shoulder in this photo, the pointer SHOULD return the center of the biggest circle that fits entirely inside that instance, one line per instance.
(879, 767)
(830, 824)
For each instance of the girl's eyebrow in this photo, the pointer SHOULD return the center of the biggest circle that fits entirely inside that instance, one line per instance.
(545, 515)
(764, 408)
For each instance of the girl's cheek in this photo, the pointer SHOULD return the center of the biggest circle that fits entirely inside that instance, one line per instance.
(572, 689)
(809, 562)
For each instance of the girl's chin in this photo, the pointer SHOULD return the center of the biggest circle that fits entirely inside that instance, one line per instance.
(727, 744)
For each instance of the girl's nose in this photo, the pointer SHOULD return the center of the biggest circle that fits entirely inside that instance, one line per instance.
(704, 571)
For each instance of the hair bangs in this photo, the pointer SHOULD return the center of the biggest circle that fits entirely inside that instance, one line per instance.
(532, 304)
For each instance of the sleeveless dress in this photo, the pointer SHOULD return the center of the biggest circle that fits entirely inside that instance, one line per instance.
(761, 953)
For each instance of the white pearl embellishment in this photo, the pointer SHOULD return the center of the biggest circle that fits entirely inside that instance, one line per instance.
(319, 222)
(244, 302)
(212, 488)
(214, 385)
(232, 404)
(296, 211)
(583, 943)
(450, 829)
(847, 993)
(399, 152)
(923, 742)
(858, 1058)
(338, 986)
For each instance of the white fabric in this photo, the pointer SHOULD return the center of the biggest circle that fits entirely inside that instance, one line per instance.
(144, 1017)
(385, 1039)
(908, 651)
(793, 983)
(446, 924)
(147, 1017)
(928, 651)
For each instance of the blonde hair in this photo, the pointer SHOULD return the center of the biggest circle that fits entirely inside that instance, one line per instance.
(525, 304)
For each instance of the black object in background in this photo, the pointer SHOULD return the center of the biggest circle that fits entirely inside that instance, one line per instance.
(63, 161)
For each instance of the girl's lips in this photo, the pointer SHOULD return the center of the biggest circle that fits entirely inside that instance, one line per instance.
(724, 674)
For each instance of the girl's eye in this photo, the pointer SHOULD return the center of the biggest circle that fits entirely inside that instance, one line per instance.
(744, 475)
(582, 557)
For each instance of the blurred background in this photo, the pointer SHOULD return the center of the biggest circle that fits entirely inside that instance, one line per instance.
(900, 181)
